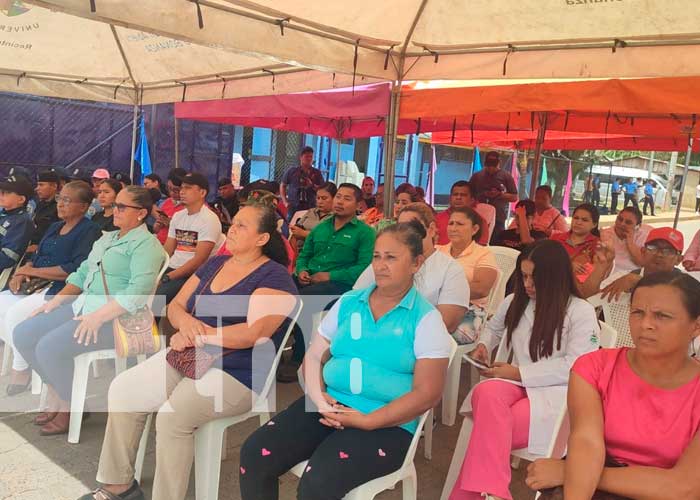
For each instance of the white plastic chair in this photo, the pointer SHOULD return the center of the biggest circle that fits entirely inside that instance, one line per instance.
(406, 474)
(7, 349)
(209, 439)
(451, 392)
(81, 371)
(557, 445)
(617, 315)
(506, 259)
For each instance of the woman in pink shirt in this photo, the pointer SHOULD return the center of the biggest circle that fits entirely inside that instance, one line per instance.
(635, 412)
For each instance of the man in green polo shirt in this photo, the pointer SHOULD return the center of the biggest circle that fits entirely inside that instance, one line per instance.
(334, 255)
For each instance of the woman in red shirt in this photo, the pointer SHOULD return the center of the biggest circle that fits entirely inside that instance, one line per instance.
(581, 240)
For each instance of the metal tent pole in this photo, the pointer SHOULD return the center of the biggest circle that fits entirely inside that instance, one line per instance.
(390, 149)
(133, 142)
(542, 130)
(337, 162)
(683, 181)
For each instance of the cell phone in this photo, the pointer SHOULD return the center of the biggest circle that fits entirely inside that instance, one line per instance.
(477, 363)
(299, 224)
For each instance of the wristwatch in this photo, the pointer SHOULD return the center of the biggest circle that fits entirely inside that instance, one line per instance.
(165, 279)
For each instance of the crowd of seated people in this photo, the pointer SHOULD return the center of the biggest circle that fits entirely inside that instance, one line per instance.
(409, 282)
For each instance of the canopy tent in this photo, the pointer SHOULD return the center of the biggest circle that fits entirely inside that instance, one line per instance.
(554, 140)
(340, 113)
(58, 55)
(431, 39)
(401, 40)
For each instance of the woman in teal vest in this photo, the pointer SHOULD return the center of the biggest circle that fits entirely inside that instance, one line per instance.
(377, 363)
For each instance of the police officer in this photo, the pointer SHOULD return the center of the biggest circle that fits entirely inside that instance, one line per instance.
(45, 213)
(16, 224)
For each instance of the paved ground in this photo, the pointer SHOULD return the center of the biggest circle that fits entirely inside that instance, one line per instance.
(34, 467)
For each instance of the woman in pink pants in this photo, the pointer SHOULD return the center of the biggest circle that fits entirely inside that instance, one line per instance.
(519, 406)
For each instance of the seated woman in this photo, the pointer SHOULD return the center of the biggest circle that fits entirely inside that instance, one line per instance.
(479, 266)
(405, 194)
(107, 194)
(247, 298)
(355, 431)
(545, 342)
(581, 240)
(65, 245)
(308, 221)
(441, 280)
(522, 232)
(78, 318)
(635, 412)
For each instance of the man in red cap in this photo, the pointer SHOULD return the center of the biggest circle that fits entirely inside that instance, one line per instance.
(662, 252)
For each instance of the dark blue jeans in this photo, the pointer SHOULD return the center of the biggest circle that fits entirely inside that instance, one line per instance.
(46, 342)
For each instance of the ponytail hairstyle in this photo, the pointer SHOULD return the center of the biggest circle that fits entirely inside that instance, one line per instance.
(409, 233)
(595, 216)
(275, 248)
(554, 286)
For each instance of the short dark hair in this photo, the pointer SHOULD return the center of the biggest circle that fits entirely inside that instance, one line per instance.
(330, 187)
(175, 176)
(114, 184)
(355, 189)
(475, 219)
(529, 207)
(306, 149)
(154, 178)
(634, 211)
(684, 283)
(544, 187)
(460, 184)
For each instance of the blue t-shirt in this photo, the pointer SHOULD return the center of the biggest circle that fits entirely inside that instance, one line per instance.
(66, 250)
(616, 187)
(631, 187)
(230, 307)
(649, 189)
(372, 362)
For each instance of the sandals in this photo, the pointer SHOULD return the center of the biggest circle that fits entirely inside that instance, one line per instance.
(133, 493)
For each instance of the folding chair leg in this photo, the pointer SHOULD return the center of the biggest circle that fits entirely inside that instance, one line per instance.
(36, 383)
(143, 444)
(6, 356)
(95, 369)
(207, 462)
(410, 485)
(77, 403)
(428, 436)
(451, 393)
(119, 365)
(457, 457)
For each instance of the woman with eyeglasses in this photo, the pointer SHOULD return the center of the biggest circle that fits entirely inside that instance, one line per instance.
(635, 411)
(106, 196)
(79, 318)
(64, 246)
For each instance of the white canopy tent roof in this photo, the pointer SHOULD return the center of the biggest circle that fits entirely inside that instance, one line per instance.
(432, 39)
(55, 54)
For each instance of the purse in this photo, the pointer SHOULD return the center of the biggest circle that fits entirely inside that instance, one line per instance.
(194, 362)
(134, 333)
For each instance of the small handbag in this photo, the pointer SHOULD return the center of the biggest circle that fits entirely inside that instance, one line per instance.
(134, 333)
(194, 362)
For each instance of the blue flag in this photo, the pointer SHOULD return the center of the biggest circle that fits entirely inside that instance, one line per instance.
(141, 154)
(476, 164)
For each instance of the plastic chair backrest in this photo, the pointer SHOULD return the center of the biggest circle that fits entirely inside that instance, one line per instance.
(617, 315)
(411, 453)
(497, 294)
(608, 336)
(506, 259)
(272, 375)
(163, 268)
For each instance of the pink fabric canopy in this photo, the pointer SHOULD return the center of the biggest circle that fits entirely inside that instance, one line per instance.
(338, 113)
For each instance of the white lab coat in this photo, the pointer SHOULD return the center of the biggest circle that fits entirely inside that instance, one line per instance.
(545, 380)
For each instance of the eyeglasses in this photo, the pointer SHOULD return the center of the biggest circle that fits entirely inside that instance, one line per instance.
(120, 207)
(664, 251)
(63, 200)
